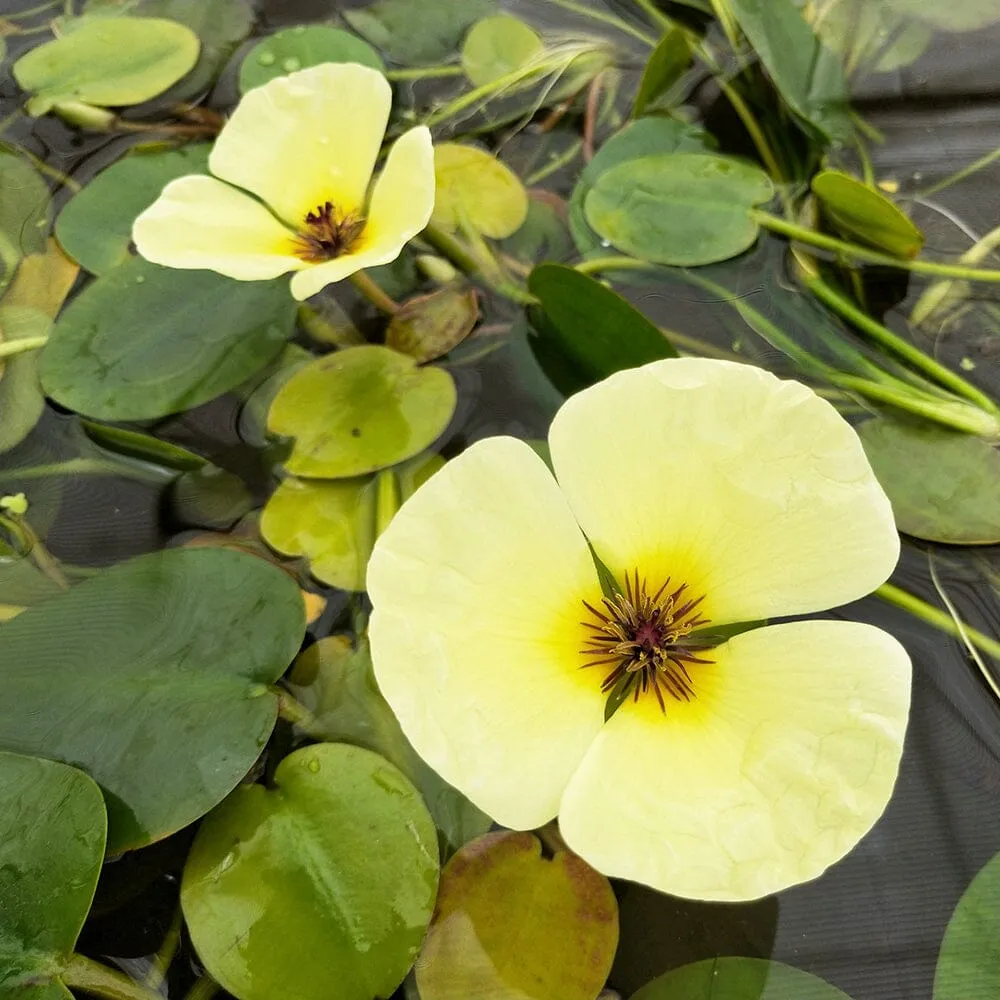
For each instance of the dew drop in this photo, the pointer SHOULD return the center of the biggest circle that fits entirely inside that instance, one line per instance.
(291, 64)
(313, 766)
(140, 278)
(266, 58)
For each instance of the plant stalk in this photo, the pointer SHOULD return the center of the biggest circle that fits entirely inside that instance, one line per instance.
(82, 973)
(371, 291)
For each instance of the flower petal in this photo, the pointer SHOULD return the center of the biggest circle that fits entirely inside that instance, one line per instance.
(750, 489)
(201, 223)
(401, 204)
(477, 586)
(307, 138)
(783, 761)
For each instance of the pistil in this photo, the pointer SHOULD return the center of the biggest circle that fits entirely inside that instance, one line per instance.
(326, 234)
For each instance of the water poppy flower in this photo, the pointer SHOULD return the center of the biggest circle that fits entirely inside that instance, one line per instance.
(293, 167)
(715, 494)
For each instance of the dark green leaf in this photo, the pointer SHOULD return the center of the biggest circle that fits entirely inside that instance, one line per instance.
(591, 331)
(327, 877)
(857, 211)
(52, 829)
(806, 73)
(944, 485)
(510, 923)
(143, 341)
(684, 209)
(24, 212)
(669, 60)
(152, 676)
(209, 497)
(95, 227)
(300, 47)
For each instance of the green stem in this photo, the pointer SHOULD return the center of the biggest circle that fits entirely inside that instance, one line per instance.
(165, 953)
(424, 73)
(31, 11)
(371, 291)
(89, 467)
(811, 237)
(655, 14)
(557, 163)
(598, 15)
(203, 988)
(911, 354)
(44, 168)
(727, 21)
(595, 265)
(93, 977)
(386, 499)
(296, 713)
(750, 123)
(938, 618)
(11, 348)
(960, 175)
(697, 346)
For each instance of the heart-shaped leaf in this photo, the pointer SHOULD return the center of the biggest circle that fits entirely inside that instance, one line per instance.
(360, 409)
(512, 925)
(684, 209)
(327, 877)
(496, 46)
(143, 341)
(858, 211)
(944, 486)
(300, 47)
(95, 227)
(108, 62)
(52, 829)
(152, 676)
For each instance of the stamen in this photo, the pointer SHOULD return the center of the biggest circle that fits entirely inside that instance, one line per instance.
(646, 639)
(326, 234)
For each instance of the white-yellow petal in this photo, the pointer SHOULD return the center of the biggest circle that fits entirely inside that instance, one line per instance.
(201, 223)
(401, 205)
(752, 490)
(307, 138)
(781, 764)
(477, 586)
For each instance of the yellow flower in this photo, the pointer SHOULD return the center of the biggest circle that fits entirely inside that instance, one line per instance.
(715, 493)
(305, 145)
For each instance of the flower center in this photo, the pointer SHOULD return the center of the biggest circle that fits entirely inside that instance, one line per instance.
(644, 640)
(326, 234)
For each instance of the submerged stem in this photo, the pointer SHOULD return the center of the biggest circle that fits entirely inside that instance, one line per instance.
(84, 974)
(599, 15)
(293, 711)
(203, 988)
(424, 73)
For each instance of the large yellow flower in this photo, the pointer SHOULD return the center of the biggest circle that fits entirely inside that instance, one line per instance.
(715, 493)
(305, 145)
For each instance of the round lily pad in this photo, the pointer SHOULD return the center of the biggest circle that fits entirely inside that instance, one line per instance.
(513, 925)
(152, 676)
(107, 61)
(474, 188)
(95, 227)
(496, 46)
(143, 341)
(327, 877)
(300, 47)
(683, 209)
(360, 409)
(52, 831)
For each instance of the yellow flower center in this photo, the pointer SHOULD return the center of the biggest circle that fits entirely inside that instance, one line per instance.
(327, 233)
(643, 638)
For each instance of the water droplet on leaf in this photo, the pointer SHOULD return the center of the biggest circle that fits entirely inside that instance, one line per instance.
(291, 64)
(266, 58)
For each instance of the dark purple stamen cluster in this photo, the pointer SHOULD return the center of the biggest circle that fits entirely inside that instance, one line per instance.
(326, 235)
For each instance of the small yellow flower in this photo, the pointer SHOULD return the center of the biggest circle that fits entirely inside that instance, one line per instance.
(305, 145)
(716, 494)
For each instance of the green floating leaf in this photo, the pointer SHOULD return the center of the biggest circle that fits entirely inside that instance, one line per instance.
(429, 326)
(739, 979)
(955, 15)
(151, 676)
(645, 137)
(944, 486)
(108, 62)
(328, 877)
(684, 209)
(665, 66)
(512, 925)
(52, 829)
(333, 524)
(474, 188)
(497, 46)
(359, 410)
(968, 965)
(544, 235)
(24, 212)
(587, 331)
(21, 398)
(302, 46)
(416, 33)
(143, 341)
(95, 227)
(43, 281)
(858, 211)
(336, 682)
(806, 73)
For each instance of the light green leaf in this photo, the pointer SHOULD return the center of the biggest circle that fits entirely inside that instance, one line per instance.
(21, 398)
(684, 209)
(954, 15)
(360, 409)
(326, 877)
(24, 212)
(143, 341)
(108, 62)
(300, 47)
(152, 676)
(497, 46)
